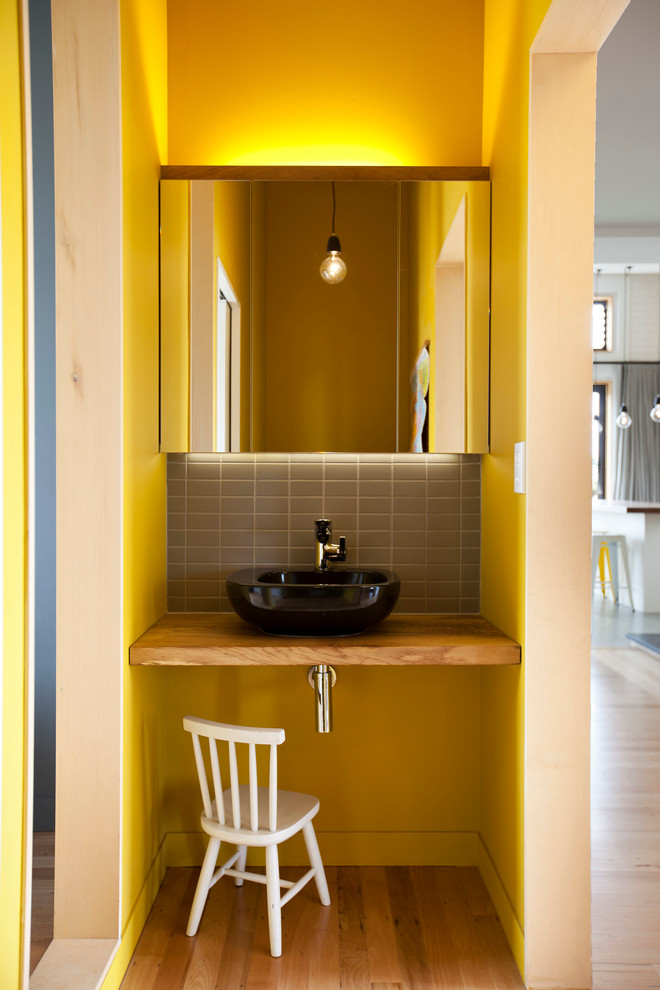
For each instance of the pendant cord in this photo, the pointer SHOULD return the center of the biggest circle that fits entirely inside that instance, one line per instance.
(334, 207)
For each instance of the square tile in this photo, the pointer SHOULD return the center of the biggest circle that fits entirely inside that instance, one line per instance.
(264, 488)
(203, 471)
(270, 521)
(203, 538)
(338, 506)
(408, 538)
(376, 520)
(203, 604)
(470, 488)
(444, 606)
(369, 505)
(307, 471)
(202, 555)
(417, 506)
(409, 489)
(271, 504)
(409, 472)
(381, 472)
(237, 520)
(470, 539)
(374, 489)
(346, 471)
(203, 520)
(234, 557)
(237, 471)
(230, 488)
(443, 489)
(444, 538)
(207, 488)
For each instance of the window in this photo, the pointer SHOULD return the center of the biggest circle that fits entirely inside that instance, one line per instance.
(601, 323)
(599, 428)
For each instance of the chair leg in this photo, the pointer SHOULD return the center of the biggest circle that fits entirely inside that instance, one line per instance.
(240, 865)
(205, 876)
(623, 551)
(273, 895)
(315, 860)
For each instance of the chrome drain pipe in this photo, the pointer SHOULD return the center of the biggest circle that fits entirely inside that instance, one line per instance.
(322, 678)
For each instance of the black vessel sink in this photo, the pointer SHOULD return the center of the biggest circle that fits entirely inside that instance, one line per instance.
(305, 602)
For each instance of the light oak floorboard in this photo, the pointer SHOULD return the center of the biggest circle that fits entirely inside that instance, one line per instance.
(43, 893)
(625, 800)
(388, 928)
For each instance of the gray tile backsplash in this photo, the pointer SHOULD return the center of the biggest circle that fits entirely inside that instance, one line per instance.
(416, 514)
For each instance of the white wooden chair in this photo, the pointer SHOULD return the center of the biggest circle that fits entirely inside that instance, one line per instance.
(249, 815)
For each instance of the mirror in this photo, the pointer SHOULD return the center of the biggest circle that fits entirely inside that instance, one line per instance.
(258, 353)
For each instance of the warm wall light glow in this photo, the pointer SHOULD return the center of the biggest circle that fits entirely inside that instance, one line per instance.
(388, 75)
(318, 154)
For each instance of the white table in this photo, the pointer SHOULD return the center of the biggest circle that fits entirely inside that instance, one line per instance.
(639, 522)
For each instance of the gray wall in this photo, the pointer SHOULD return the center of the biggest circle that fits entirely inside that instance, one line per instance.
(44, 281)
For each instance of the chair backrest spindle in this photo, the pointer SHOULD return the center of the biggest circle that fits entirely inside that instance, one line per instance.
(272, 789)
(201, 773)
(232, 734)
(233, 778)
(217, 780)
(254, 784)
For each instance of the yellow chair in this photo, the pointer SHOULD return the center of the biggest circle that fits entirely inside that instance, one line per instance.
(606, 542)
(603, 559)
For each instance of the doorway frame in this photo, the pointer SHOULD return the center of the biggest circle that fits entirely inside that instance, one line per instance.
(560, 42)
(560, 214)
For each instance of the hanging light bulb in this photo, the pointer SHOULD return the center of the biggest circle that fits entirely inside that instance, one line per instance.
(333, 266)
(624, 419)
(655, 409)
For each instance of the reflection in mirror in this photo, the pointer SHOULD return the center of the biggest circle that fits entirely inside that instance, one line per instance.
(258, 353)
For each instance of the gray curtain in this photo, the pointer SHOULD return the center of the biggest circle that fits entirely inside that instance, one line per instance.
(637, 450)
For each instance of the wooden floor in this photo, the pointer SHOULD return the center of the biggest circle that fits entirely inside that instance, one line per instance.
(428, 927)
(387, 928)
(43, 890)
(625, 808)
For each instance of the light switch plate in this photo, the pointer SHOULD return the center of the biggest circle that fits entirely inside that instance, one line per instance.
(519, 467)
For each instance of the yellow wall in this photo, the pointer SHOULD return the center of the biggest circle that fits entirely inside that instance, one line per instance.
(175, 315)
(510, 27)
(231, 243)
(402, 758)
(12, 750)
(143, 60)
(258, 311)
(330, 342)
(393, 108)
(372, 82)
(428, 211)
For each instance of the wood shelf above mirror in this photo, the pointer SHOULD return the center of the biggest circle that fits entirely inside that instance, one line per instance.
(326, 173)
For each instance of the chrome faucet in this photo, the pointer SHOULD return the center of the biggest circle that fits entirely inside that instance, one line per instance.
(325, 550)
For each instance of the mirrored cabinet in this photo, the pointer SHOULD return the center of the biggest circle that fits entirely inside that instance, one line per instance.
(260, 353)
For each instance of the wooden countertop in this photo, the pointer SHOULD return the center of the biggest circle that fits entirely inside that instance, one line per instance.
(212, 638)
(609, 505)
